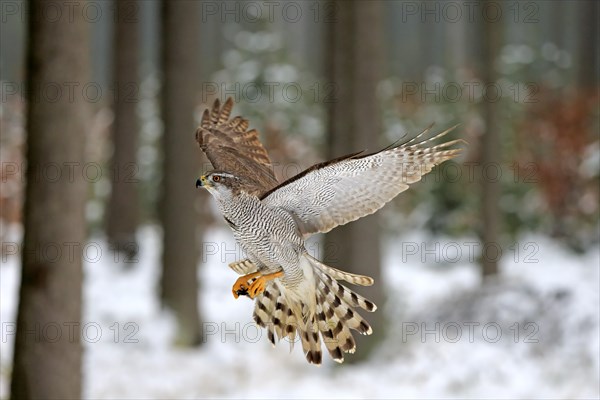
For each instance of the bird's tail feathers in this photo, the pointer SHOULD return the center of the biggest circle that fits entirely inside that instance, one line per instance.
(335, 273)
(335, 313)
(331, 317)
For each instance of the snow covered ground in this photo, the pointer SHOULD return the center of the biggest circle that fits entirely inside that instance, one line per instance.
(532, 334)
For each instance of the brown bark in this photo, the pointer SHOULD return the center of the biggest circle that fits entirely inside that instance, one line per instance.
(354, 63)
(179, 217)
(47, 358)
(589, 59)
(123, 207)
(492, 33)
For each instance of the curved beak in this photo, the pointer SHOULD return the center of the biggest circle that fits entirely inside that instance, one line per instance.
(202, 182)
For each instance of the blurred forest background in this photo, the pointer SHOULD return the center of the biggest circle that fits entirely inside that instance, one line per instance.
(99, 104)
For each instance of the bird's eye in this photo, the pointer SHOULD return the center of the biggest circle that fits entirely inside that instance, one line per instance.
(216, 178)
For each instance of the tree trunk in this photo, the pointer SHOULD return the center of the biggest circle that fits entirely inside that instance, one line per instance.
(47, 357)
(354, 63)
(589, 59)
(123, 206)
(490, 153)
(179, 219)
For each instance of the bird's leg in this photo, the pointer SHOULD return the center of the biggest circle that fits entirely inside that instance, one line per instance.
(241, 284)
(258, 286)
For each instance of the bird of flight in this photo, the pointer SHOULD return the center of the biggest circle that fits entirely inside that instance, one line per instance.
(294, 292)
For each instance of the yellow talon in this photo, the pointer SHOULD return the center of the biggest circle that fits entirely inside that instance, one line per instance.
(241, 284)
(257, 287)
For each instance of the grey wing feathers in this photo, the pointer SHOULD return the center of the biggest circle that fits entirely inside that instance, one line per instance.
(339, 192)
(231, 147)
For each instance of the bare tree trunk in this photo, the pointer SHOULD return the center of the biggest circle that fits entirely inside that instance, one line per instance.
(456, 44)
(490, 154)
(47, 358)
(589, 59)
(123, 204)
(179, 218)
(355, 50)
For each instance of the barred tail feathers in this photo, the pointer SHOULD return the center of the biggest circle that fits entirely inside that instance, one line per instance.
(330, 316)
(337, 316)
(335, 273)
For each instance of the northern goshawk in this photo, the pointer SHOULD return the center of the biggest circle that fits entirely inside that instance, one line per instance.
(271, 220)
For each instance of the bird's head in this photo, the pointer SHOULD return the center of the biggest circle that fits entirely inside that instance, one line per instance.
(220, 184)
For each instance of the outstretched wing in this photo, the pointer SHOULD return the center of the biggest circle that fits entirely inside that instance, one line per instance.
(231, 147)
(346, 189)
